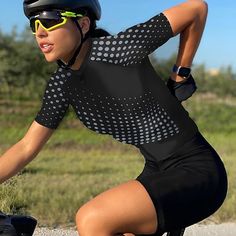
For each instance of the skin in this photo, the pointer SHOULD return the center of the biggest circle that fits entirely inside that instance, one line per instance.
(65, 40)
(190, 27)
(125, 209)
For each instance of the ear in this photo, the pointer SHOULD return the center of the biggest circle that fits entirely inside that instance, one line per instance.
(84, 23)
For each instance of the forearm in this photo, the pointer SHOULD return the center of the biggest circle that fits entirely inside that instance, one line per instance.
(188, 20)
(188, 46)
(14, 159)
(19, 155)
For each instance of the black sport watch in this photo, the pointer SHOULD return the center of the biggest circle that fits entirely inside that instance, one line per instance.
(182, 71)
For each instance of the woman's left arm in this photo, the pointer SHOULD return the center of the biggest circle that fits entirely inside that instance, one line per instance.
(187, 19)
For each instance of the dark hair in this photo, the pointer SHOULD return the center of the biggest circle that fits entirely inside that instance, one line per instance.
(95, 32)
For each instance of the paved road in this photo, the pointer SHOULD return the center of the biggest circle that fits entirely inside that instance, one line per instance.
(227, 229)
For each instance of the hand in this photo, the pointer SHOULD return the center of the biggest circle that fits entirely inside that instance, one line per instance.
(182, 90)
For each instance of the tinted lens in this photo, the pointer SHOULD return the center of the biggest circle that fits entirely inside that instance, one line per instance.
(47, 23)
(47, 18)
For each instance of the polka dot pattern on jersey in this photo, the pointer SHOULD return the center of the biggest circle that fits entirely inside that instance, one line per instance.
(104, 107)
(55, 100)
(132, 120)
(134, 44)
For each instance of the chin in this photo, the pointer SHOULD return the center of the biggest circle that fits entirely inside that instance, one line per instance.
(50, 58)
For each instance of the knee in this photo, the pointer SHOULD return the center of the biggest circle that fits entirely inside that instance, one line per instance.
(88, 220)
(83, 218)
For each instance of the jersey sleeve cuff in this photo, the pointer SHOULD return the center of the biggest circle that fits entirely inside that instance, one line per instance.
(47, 125)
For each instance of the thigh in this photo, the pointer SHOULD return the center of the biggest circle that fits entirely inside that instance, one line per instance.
(126, 208)
(187, 189)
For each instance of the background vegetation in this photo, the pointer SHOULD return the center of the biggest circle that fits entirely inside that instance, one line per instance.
(77, 163)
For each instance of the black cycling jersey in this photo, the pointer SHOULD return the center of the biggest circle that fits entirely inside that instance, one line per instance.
(116, 91)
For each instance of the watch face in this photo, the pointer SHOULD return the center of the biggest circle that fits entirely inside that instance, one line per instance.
(184, 71)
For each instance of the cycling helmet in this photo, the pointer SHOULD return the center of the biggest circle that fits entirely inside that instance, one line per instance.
(92, 6)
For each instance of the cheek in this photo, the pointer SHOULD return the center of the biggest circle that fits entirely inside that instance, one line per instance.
(65, 43)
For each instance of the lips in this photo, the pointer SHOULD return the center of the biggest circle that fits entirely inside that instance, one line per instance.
(46, 47)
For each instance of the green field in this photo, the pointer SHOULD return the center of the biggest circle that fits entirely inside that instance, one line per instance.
(77, 164)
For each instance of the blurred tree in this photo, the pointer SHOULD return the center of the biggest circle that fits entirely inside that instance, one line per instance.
(163, 67)
(24, 71)
(22, 64)
(227, 72)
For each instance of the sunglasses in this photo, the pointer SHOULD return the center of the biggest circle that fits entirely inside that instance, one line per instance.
(50, 20)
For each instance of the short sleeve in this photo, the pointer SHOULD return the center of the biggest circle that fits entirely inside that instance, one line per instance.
(55, 103)
(133, 44)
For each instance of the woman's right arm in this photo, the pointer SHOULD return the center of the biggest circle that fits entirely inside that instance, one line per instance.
(24, 151)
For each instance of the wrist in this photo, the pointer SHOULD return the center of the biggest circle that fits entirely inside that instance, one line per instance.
(177, 78)
(181, 73)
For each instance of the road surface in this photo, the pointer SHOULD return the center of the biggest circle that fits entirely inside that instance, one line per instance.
(226, 229)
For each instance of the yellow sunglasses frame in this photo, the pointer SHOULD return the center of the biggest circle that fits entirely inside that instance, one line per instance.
(38, 22)
(65, 18)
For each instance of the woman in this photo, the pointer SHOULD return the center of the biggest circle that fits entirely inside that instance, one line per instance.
(114, 90)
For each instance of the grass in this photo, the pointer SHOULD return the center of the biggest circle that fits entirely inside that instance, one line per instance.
(77, 164)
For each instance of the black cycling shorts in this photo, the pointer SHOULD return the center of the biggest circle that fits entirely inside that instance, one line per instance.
(187, 187)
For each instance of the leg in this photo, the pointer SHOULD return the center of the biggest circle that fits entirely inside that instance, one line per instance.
(126, 208)
(189, 20)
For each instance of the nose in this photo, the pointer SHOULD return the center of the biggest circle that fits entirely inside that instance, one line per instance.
(40, 32)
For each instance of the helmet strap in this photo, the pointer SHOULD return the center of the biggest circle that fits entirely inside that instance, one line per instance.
(77, 51)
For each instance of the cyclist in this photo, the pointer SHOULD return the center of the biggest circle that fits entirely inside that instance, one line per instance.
(114, 90)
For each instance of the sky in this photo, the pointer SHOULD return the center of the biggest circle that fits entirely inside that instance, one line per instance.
(217, 48)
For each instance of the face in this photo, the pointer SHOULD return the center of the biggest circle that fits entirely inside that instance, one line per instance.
(61, 42)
